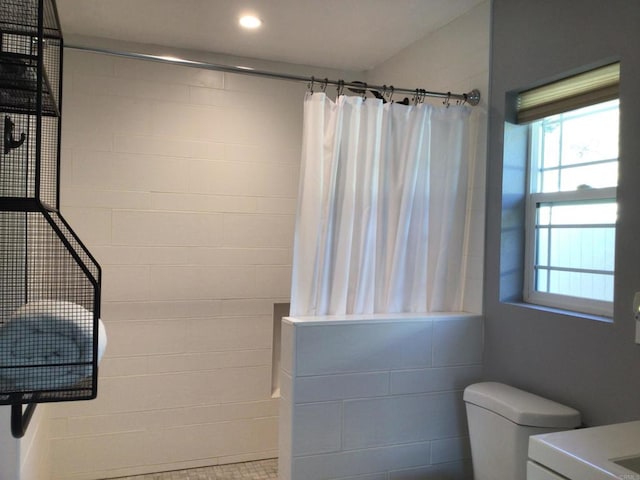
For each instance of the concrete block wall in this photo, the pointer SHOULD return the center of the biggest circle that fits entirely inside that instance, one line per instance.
(377, 398)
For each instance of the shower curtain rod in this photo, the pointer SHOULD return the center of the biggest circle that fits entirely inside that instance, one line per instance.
(472, 97)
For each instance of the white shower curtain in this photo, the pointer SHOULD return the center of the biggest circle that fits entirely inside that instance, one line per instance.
(381, 208)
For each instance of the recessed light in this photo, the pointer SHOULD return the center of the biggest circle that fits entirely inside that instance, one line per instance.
(250, 21)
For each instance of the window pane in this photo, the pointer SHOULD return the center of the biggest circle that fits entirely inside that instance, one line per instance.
(590, 134)
(550, 180)
(577, 149)
(544, 214)
(575, 248)
(586, 213)
(600, 175)
(542, 244)
(583, 285)
(582, 248)
(542, 281)
(551, 144)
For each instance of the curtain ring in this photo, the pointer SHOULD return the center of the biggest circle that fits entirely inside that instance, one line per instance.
(383, 95)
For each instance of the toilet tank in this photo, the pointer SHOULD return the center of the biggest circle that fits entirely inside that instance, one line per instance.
(501, 420)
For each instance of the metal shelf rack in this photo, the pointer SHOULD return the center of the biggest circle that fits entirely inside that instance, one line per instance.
(49, 281)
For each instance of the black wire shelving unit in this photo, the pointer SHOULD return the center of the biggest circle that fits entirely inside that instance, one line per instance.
(49, 281)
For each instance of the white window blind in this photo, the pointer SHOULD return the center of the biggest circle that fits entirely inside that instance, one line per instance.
(570, 93)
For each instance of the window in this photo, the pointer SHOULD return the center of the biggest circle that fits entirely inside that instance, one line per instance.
(571, 206)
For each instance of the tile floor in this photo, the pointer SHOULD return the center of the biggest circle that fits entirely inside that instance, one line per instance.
(259, 470)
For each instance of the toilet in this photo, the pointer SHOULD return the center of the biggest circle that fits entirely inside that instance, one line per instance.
(501, 420)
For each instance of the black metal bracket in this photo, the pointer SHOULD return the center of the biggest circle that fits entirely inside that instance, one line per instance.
(9, 142)
(20, 420)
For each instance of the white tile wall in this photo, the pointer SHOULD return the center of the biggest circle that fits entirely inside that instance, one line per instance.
(182, 182)
(455, 342)
(316, 428)
(351, 464)
(336, 387)
(377, 399)
(33, 449)
(359, 348)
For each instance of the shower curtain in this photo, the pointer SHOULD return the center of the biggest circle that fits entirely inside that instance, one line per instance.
(381, 208)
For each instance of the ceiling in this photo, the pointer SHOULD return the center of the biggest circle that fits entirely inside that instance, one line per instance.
(351, 35)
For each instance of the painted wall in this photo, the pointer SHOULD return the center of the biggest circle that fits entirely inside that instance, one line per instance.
(455, 58)
(182, 182)
(588, 364)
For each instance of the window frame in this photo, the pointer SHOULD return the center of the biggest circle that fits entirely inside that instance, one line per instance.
(532, 201)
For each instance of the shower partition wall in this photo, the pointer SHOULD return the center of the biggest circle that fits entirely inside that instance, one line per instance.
(377, 396)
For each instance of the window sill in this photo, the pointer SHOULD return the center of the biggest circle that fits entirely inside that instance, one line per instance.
(559, 311)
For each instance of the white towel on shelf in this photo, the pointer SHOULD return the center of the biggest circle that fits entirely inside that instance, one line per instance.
(48, 344)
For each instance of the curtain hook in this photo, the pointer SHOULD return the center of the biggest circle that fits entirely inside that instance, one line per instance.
(416, 97)
(325, 84)
(364, 91)
(391, 90)
(447, 102)
(384, 94)
(340, 87)
(311, 84)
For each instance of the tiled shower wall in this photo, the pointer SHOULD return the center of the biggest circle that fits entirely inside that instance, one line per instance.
(182, 182)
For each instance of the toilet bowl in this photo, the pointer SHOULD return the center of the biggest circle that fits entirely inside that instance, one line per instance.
(501, 419)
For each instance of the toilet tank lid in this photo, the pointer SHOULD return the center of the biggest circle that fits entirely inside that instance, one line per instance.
(522, 408)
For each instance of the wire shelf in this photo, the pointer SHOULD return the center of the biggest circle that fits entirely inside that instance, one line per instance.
(19, 85)
(49, 282)
(49, 310)
(21, 16)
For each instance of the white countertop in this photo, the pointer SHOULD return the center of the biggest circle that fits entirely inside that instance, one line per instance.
(585, 454)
